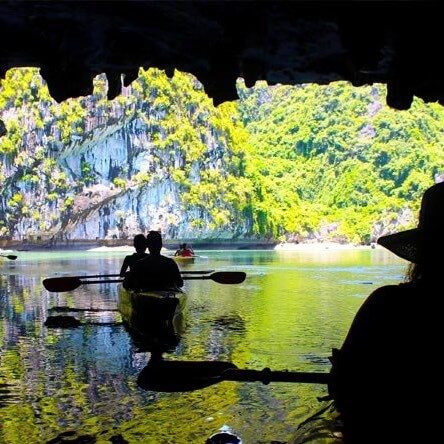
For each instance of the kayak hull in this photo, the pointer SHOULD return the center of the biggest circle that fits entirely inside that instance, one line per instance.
(184, 259)
(153, 318)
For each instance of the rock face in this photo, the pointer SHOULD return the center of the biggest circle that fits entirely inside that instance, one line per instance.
(108, 212)
(290, 42)
(121, 169)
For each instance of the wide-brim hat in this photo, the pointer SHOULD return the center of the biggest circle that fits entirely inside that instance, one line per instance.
(418, 245)
(404, 244)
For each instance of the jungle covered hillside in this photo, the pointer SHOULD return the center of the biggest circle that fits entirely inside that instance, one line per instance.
(295, 163)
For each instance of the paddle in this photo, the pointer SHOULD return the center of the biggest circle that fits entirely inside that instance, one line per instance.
(60, 284)
(88, 276)
(223, 277)
(182, 376)
(13, 257)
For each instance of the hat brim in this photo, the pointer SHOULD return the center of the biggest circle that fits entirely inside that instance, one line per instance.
(404, 244)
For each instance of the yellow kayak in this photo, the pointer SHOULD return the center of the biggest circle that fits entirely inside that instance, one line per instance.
(152, 317)
(184, 259)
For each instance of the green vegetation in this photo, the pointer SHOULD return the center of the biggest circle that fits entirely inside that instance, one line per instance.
(283, 162)
(336, 160)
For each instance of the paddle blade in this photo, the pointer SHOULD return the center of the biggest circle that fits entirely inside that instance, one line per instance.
(12, 257)
(60, 284)
(222, 277)
(228, 277)
(181, 376)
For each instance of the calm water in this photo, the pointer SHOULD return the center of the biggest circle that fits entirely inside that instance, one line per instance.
(288, 314)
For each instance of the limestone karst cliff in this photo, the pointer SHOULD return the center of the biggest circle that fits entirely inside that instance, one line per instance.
(302, 163)
(154, 158)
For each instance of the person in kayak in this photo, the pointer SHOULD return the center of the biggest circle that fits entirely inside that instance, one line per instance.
(385, 379)
(155, 271)
(139, 243)
(187, 251)
(180, 250)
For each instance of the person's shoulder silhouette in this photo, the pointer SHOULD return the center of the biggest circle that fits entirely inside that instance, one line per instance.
(380, 377)
(139, 243)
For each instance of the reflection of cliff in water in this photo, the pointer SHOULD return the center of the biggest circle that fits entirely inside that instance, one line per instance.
(9, 394)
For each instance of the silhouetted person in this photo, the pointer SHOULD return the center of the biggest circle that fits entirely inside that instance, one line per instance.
(189, 249)
(386, 379)
(139, 243)
(184, 250)
(154, 271)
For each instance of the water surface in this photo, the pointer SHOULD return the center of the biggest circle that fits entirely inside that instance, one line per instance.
(292, 309)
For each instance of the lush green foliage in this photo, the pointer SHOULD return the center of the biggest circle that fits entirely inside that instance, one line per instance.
(336, 159)
(295, 162)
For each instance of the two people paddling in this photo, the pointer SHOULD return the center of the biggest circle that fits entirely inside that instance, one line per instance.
(385, 379)
(154, 271)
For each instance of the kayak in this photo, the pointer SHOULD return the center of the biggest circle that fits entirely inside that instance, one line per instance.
(184, 259)
(138, 306)
(152, 317)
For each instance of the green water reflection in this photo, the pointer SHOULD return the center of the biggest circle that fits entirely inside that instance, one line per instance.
(288, 314)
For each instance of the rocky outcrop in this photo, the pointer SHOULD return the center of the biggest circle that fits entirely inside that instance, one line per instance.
(117, 174)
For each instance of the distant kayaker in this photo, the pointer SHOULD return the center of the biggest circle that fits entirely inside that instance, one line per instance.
(155, 272)
(386, 377)
(185, 250)
(180, 250)
(139, 243)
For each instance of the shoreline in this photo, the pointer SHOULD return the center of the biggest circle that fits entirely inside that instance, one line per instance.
(124, 244)
(317, 246)
(168, 247)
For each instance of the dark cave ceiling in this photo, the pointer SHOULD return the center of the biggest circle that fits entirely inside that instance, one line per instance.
(288, 42)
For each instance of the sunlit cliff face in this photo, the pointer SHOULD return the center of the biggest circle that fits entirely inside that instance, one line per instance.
(303, 163)
(92, 168)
